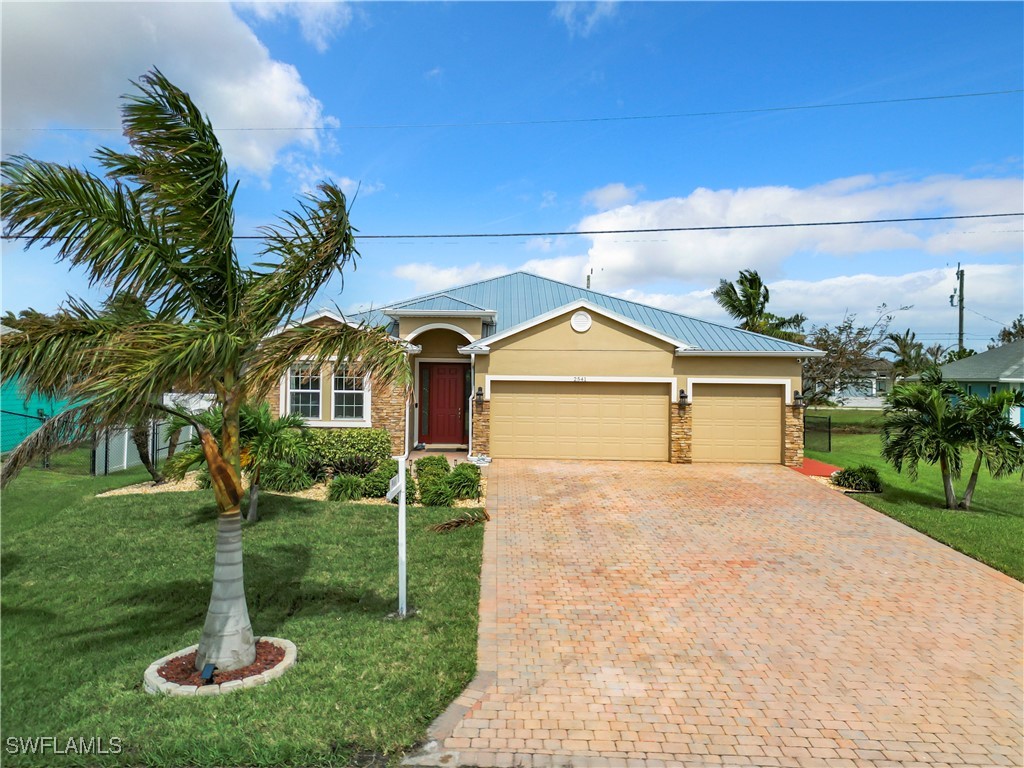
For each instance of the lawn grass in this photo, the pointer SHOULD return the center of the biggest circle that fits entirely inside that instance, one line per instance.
(94, 591)
(992, 532)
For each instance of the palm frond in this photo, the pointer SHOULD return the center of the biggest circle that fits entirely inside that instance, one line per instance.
(71, 427)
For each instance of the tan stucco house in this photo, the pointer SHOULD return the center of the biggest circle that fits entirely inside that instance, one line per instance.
(520, 366)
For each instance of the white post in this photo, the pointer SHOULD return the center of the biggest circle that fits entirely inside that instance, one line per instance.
(401, 539)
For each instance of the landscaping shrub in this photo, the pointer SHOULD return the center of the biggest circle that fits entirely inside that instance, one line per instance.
(318, 469)
(331, 446)
(465, 481)
(203, 478)
(435, 490)
(410, 488)
(432, 464)
(283, 477)
(375, 484)
(862, 478)
(358, 465)
(345, 488)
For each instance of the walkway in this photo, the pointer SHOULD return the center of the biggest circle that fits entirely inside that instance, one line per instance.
(655, 614)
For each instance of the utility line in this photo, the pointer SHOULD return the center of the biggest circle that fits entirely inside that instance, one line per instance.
(599, 119)
(990, 319)
(588, 232)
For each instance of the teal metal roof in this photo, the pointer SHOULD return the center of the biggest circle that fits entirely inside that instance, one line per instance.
(1005, 363)
(441, 302)
(520, 297)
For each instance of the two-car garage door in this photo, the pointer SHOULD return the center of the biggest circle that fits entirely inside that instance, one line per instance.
(577, 420)
(630, 421)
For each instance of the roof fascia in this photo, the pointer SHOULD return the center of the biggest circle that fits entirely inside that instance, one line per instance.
(412, 349)
(750, 353)
(483, 313)
(483, 349)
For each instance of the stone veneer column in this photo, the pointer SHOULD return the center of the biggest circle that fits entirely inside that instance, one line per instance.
(793, 448)
(481, 440)
(387, 411)
(680, 434)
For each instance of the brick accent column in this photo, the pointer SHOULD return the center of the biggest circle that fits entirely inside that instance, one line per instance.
(481, 429)
(387, 411)
(793, 448)
(680, 434)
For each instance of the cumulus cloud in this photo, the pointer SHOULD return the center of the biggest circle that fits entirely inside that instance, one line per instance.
(612, 196)
(628, 260)
(581, 18)
(318, 21)
(66, 64)
(426, 277)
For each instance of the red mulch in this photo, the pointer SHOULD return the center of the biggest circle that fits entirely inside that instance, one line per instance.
(182, 669)
(813, 468)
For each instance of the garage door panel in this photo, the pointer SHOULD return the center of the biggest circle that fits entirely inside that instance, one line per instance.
(737, 423)
(579, 420)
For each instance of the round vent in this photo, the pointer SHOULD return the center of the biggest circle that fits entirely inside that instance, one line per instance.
(581, 322)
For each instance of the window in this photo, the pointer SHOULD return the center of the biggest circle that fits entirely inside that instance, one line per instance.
(304, 391)
(349, 394)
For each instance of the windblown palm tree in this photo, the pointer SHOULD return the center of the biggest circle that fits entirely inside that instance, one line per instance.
(160, 228)
(909, 356)
(998, 441)
(747, 301)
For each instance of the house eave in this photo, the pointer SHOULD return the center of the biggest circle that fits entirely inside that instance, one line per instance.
(487, 314)
(798, 353)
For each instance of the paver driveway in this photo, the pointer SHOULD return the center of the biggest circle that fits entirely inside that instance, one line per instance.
(708, 614)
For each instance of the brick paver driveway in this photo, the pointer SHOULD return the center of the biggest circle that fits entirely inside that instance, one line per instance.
(707, 614)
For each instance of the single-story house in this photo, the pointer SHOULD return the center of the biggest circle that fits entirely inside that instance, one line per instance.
(520, 366)
(989, 372)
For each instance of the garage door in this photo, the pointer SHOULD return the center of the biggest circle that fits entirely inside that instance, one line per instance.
(567, 420)
(737, 423)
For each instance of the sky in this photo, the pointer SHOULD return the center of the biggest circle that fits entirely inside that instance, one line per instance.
(519, 118)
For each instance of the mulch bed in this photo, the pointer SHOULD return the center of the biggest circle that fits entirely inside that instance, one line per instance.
(182, 669)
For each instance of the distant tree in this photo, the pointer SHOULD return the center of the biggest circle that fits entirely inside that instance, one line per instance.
(850, 357)
(933, 354)
(957, 354)
(1013, 332)
(746, 300)
(909, 356)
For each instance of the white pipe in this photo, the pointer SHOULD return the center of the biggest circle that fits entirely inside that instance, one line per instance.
(472, 389)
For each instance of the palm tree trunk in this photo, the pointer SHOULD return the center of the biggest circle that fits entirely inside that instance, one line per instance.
(172, 442)
(947, 484)
(965, 503)
(254, 498)
(140, 436)
(227, 640)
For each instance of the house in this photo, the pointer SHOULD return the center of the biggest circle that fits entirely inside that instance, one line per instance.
(870, 390)
(520, 366)
(989, 372)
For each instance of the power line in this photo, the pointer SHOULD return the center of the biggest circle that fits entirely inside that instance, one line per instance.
(588, 232)
(599, 119)
(991, 320)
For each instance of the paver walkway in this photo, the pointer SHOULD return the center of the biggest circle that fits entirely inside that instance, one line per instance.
(656, 614)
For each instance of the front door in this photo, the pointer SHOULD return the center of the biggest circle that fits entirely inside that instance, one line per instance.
(443, 403)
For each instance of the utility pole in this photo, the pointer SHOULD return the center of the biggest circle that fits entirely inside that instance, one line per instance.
(957, 297)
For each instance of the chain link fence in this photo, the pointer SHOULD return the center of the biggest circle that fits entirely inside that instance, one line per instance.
(818, 433)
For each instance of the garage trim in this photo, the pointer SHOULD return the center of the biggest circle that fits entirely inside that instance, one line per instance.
(787, 383)
(670, 380)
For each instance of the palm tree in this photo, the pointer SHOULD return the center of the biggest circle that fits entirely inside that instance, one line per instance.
(997, 441)
(908, 354)
(923, 424)
(161, 228)
(747, 301)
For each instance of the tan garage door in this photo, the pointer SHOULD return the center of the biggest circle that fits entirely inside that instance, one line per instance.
(737, 423)
(567, 420)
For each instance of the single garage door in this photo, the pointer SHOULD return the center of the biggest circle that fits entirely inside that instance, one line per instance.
(569, 420)
(737, 423)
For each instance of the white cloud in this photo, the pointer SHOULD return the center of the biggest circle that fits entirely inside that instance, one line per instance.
(628, 260)
(306, 175)
(612, 196)
(581, 18)
(66, 65)
(426, 277)
(319, 20)
(434, 73)
(548, 198)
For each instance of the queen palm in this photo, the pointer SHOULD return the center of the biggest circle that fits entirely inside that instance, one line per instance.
(160, 227)
(746, 300)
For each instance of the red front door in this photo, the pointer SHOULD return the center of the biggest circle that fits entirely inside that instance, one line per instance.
(443, 403)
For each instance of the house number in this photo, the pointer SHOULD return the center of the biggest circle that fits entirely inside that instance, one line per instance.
(579, 378)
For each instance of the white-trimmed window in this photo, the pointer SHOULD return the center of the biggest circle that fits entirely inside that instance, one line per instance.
(304, 391)
(349, 395)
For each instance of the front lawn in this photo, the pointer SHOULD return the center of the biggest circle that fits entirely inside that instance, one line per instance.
(95, 591)
(993, 531)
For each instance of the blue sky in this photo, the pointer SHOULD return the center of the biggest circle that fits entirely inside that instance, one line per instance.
(444, 115)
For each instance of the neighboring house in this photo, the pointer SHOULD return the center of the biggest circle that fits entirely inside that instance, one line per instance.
(20, 416)
(520, 366)
(869, 391)
(989, 372)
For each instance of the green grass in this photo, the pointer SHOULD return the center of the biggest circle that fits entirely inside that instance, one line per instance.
(94, 590)
(851, 420)
(992, 532)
